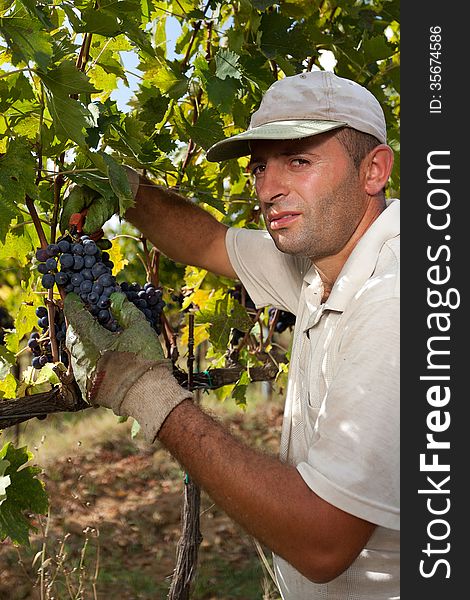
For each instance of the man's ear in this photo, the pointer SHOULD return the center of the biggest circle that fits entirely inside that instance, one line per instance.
(377, 167)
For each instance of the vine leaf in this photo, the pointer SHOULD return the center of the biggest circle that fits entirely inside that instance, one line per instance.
(17, 176)
(226, 63)
(5, 480)
(25, 493)
(27, 40)
(241, 386)
(119, 183)
(223, 314)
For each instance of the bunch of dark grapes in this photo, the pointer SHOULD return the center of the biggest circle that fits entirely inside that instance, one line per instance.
(148, 298)
(40, 344)
(80, 266)
(285, 319)
(83, 266)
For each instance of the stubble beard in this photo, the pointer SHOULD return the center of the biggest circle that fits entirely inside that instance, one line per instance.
(326, 224)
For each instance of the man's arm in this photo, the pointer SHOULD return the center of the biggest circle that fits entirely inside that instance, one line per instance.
(180, 229)
(267, 498)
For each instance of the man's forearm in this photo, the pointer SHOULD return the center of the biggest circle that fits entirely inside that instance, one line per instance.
(266, 497)
(180, 229)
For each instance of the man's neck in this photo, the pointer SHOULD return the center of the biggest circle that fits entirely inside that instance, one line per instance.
(329, 267)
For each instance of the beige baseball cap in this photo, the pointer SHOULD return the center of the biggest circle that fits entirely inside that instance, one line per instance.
(304, 105)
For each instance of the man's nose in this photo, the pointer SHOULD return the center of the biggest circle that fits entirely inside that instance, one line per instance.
(273, 185)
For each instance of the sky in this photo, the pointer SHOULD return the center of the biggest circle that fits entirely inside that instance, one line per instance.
(123, 94)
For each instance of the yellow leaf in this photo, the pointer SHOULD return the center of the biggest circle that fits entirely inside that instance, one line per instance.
(26, 320)
(199, 298)
(117, 257)
(194, 277)
(201, 334)
(8, 386)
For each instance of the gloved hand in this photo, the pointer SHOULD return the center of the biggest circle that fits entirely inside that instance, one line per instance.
(125, 371)
(99, 209)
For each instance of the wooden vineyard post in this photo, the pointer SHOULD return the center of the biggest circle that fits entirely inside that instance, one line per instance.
(191, 538)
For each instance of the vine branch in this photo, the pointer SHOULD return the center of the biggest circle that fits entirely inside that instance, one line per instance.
(67, 397)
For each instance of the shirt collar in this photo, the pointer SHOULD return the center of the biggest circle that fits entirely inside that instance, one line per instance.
(361, 263)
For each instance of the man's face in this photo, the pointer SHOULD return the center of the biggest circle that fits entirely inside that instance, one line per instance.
(310, 194)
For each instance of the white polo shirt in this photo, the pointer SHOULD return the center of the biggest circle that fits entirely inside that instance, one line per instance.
(341, 418)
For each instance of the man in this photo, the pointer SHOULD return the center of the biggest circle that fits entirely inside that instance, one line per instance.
(329, 507)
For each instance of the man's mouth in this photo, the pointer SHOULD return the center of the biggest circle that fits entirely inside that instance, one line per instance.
(281, 220)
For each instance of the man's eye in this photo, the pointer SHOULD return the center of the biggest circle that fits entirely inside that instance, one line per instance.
(258, 169)
(299, 161)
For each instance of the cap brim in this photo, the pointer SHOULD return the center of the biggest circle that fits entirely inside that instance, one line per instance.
(239, 145)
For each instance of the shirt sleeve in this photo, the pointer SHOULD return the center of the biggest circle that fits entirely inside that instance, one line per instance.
(271, 277)
(354, 458)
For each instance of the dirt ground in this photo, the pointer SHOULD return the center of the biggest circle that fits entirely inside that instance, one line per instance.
(114, 519)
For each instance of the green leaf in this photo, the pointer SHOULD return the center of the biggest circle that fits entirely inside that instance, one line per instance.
(240, 389)
(70, 118)
(227, 64)
(222, 92)
(66, 79)
(100, 22)
(17, 179)
(25, 320)
(26, 38)
(7, 360)
(377, 48)
(5, 480)
(16, 247)
(25, 493)
(207, 130)
(166, 78)
(119, 183)
(223, 314)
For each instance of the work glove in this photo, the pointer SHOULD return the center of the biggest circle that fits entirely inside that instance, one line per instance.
(98, 208)
(125, 370)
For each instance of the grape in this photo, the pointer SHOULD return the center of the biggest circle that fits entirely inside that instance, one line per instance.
(148, 299)
(48, 281)
(52, 250)
(90, 248)
(97, 288)
(35, 362)
(41, 311)
(106, 280)
(85, 286)
(66, 261)
(61, 278)
(33, 343)
(93, 298)
(78, 250)
(104, 315)
(43, 322)
(51, 264)
(87, 274)
(64, 246)
(42, 268)
(104, 302)
(76, 279)
(98, 269)
(89, 261)
(78, 262)
(42, 255)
